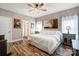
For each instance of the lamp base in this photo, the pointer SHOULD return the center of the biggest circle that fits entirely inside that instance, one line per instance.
(68, 31)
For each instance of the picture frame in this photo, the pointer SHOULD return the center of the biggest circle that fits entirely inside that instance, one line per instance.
(51, 24)
(17, 23)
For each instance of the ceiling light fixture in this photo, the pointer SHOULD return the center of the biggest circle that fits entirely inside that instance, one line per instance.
(36, 6)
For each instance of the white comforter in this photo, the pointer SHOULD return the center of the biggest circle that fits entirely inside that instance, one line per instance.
(49, 41)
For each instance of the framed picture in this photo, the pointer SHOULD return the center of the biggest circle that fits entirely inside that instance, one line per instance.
(17, 23)
(51, 24)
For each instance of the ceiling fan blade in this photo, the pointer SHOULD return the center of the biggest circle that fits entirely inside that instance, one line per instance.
(30, 5)
(31, 10)
(38, 9)
(43, 9)
(40, 5)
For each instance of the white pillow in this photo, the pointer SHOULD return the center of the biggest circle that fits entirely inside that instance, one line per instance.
(49, 32)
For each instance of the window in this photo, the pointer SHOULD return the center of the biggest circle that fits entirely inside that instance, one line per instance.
(39, 26)
(71, 21)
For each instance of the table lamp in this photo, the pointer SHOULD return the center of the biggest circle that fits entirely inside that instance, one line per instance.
(68, 28)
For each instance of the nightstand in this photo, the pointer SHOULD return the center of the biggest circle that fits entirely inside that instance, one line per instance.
(67, 39)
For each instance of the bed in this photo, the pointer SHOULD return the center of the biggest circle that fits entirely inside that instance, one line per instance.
(47, 41)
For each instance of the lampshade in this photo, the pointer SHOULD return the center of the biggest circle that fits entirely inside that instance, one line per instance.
(68, 27)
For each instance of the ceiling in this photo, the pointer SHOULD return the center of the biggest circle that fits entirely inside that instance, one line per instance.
(22, 8)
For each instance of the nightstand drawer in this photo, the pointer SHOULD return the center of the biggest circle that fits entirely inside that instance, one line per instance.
(72, 36)
(67, 38)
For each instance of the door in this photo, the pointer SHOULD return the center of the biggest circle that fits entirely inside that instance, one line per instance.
(6, 27)
(25, 28)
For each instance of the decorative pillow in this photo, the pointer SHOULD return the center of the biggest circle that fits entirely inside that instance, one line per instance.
(49, 32)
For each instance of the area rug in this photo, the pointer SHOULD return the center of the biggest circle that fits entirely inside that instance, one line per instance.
(61, 51)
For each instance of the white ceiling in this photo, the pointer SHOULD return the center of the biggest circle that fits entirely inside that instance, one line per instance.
(23, 9)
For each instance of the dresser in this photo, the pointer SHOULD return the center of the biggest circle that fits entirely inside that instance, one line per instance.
(67, 38)
(3, 47)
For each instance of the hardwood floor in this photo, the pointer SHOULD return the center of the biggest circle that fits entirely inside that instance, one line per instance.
(23, 48)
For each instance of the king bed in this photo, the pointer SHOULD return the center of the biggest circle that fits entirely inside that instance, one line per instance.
(47, 41)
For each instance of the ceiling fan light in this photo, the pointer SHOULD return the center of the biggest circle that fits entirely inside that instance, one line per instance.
(36, 5)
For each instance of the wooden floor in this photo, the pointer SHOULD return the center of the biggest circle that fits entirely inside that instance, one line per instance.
(23, 48)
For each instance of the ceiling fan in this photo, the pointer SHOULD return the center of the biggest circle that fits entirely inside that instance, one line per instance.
(36, 6)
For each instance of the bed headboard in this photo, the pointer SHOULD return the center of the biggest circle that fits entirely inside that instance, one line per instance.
(50, 32)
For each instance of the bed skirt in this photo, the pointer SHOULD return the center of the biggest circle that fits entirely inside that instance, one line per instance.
(44, 48)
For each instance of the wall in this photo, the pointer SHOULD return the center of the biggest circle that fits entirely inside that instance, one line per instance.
(61, 13)
(58, 15)
(46, 17)
(6, 27)
(16, 33)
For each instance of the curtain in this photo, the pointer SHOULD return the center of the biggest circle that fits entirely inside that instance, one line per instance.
(71, 21)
